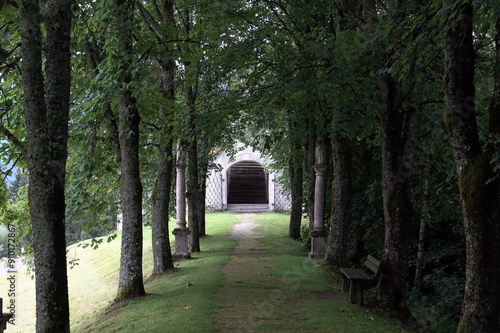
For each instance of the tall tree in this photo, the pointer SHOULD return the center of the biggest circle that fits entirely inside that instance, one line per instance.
(336, 252)
(46, 106)
(479, 186)
(131, 279)
(190, 19)
(162, 253)
(399, 124)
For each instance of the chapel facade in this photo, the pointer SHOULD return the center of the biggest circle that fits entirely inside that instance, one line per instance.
(241, 183)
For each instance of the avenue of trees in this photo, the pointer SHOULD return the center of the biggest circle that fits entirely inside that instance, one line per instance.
(403, 96)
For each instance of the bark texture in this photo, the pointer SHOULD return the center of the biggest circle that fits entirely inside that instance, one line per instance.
(399, 130)
(296, 178)
(193, 192)
(336, 251)
(308, 169)
(191, 76)
(192, 196)
(46, 105)
(131, 278)
(202, 200)
(479, 195)
(422, 235)
(162, 252)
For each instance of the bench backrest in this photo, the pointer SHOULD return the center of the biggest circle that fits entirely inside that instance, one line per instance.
(372, 264)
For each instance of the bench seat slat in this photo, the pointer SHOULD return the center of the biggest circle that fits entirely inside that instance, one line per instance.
(371, 266)
(356, 274)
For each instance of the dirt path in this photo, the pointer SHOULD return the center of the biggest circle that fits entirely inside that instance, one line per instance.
(252, 299)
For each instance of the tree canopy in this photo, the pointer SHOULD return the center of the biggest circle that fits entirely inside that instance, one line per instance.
(368, 79)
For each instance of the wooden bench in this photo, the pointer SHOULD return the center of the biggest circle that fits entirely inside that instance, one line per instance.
(356, 280)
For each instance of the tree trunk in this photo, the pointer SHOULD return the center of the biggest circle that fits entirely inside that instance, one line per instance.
(162, 253)
(131, 279)
(399, 130)
(479, 190)
(295, 169)
(192, 186)
(336, 251)
(398, 211)
(192, 196)
(424, 216)
(308, 169)
(202, 201)
(46, 108)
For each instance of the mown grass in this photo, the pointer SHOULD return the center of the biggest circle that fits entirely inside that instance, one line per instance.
(184, 299)
(183, 294)
(311, 277)
(179, 301)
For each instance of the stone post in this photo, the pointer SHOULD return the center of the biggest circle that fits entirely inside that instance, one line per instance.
(181, 232)
(318, 233)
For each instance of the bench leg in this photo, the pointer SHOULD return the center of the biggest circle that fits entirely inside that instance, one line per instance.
(356, 292)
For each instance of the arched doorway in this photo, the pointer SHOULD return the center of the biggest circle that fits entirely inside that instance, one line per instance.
(247, 183)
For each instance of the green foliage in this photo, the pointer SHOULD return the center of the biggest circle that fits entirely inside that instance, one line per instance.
(257, 67)
(14, 213)
(4, 239)
(431, 315)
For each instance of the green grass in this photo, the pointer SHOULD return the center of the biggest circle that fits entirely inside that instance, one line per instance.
(308, 277)
(93, 286)
(185, 299)
(179, 297)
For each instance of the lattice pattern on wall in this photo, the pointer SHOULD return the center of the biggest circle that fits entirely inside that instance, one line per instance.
(282, 201)
(214, 193)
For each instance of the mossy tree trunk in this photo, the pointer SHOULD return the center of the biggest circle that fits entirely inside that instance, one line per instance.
(162, 253)
(192, 196)
(131, 278)
(296, 179)
(479, 191)
(202, 204)
(193, 192)
(46, 107)
(422, 235)
(399, 130)
(336, 251)
(308, 168)
(190, 82)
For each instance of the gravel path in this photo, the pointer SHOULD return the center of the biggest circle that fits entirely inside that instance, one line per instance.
(251, 299)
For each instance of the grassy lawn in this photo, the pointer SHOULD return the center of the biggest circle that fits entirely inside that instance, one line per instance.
(311, 279)
(183, 294)
(186, 299)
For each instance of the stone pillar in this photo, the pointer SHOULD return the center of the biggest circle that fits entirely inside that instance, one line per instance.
(318, 233)
(181, 232)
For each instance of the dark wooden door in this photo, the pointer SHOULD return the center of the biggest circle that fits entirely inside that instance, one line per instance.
(247, 184)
